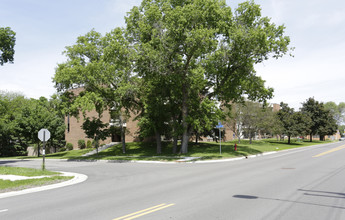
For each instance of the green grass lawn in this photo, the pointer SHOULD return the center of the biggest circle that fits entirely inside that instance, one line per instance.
(8, 185)
(20, 171)
(147, 151)
(204, 150)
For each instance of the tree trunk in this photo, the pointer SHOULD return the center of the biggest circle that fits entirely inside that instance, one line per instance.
(175, 136)
(197, 137)
(158, 142)
(311, 137)
(185, 135)
(123, 140)
(175, 144)
(322, 137)
(38, 149)
(97, 144)
(289, 139)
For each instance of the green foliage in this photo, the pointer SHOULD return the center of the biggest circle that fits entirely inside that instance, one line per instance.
(171, 63)
(338, 112)
(322, 120)
(89, 144)
(250, 118)
(7, 42)
(81, 144)
(188, 47)
(62, 149)
(102, 65)
(95, 129)
(293, 123)
(69, 146)
(21, 119)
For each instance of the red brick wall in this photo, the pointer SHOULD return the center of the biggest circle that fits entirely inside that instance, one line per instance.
(76, 132)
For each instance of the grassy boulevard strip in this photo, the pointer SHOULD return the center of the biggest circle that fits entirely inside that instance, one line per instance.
(138, 151)
(18, 180)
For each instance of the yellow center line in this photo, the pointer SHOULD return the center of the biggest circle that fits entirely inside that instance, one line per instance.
(144, 212)
(330, 151)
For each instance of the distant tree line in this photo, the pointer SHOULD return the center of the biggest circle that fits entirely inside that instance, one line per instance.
(21, 119)
(314, 118)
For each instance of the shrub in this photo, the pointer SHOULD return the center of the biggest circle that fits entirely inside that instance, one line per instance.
(81, 144)
(89, 144)
(62, 149)
(69, 146)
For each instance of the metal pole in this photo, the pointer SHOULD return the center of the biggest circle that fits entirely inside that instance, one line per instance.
(44, 150)
(220, 142)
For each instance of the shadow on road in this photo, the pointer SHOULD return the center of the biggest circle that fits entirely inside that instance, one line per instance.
(4, 162)
(324, 194)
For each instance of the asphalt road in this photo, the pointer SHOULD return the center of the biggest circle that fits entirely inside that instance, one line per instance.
(306, 183)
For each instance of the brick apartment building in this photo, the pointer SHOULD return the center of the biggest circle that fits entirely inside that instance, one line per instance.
(74, 131)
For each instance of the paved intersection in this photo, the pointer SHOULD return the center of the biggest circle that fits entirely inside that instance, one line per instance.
(286, 185)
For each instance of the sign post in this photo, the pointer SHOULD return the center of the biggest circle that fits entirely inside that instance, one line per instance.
(220, 126)
(44, 135)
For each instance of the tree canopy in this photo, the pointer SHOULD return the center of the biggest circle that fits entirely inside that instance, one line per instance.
(22, 118)
(204, 50)
(102, 66)
(7, 42)
(293, 123)
(322, 120)
(176, 61)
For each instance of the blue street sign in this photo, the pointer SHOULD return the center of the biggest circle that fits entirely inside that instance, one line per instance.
(220, 125)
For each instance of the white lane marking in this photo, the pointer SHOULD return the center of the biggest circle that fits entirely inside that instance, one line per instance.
(4, 210)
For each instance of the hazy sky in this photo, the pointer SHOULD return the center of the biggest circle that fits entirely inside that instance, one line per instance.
(45, 27)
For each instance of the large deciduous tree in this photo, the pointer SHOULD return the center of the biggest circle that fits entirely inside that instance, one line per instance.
(102, 65)
(204, 49)
(250, 118)
(338, 111)
(293, 123)
(7, 42)
(322, 120)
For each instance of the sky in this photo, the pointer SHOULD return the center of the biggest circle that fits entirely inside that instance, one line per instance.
(45, 27)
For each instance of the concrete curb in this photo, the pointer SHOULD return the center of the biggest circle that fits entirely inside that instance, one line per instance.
(78, 178)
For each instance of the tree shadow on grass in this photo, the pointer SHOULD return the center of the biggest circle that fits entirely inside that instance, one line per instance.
(207, 148)
(292, 143)
(147, 151)
(245, 151)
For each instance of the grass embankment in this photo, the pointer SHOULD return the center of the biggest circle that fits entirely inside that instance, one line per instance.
(8, 185)
(205, 151)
